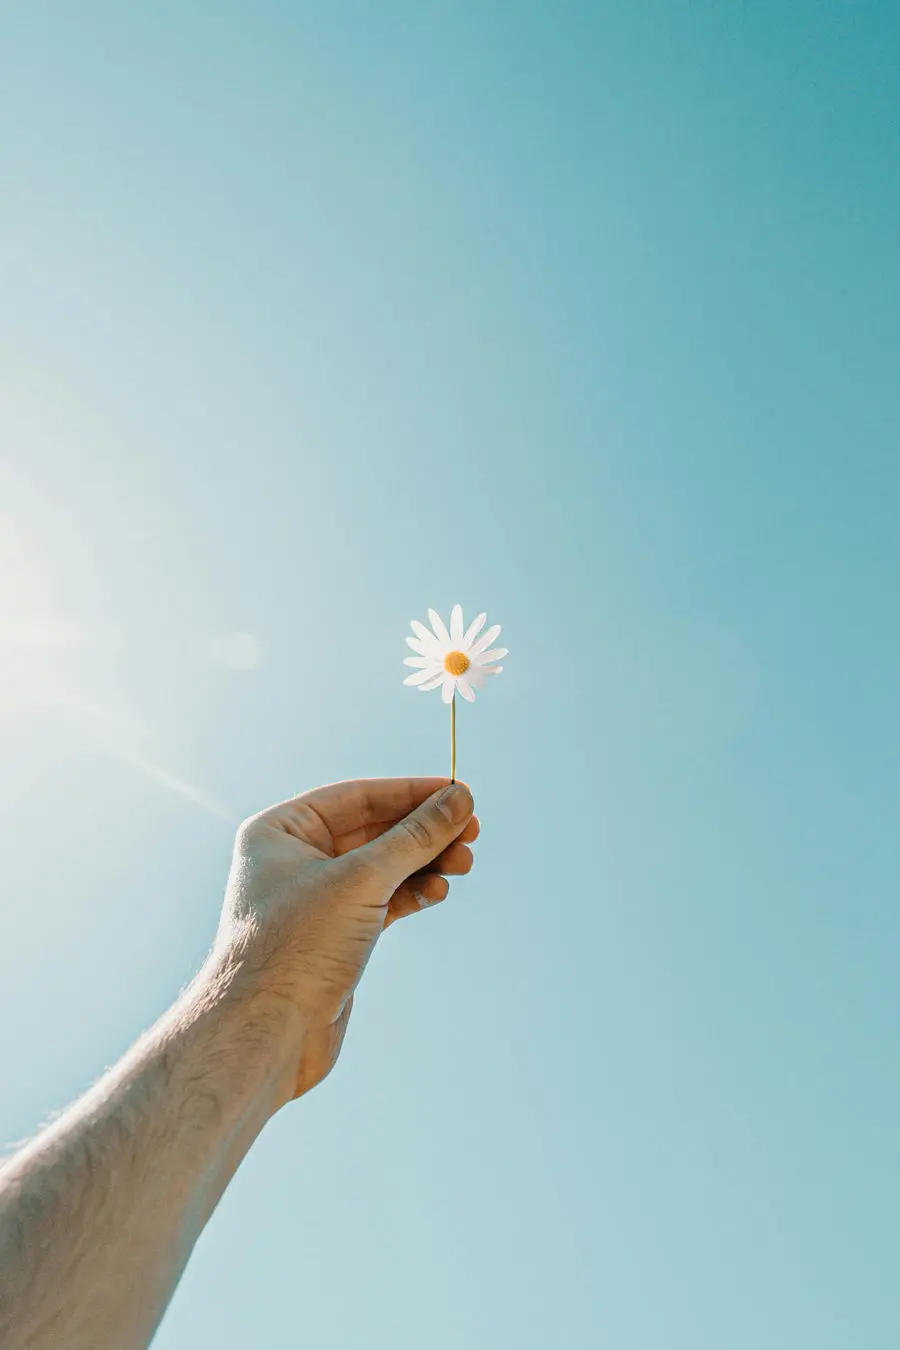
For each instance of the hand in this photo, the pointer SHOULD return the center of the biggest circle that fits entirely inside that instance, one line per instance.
(315, 881)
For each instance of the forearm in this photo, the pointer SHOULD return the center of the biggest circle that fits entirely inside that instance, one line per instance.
(99, 1214)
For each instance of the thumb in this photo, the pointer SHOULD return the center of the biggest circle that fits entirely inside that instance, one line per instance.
(417, 840)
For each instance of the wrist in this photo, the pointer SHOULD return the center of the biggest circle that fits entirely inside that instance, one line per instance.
(250, 1032)
(300, 1032)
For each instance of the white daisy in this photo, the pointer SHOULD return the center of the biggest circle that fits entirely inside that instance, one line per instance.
(455, 658)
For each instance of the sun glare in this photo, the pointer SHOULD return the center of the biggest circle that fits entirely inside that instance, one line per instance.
(35, 640)
(57, 647)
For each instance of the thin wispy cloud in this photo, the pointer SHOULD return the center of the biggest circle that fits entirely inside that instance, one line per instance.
(122, 736)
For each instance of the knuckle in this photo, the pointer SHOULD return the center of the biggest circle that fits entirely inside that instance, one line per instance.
(420, 831)
(356, 868)
(244, 833)
(249, 828)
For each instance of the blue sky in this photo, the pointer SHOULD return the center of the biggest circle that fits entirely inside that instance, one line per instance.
(316, 315)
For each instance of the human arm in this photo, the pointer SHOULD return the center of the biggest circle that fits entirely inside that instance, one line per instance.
(99, 1214)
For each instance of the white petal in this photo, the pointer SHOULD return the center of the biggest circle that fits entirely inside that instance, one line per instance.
(431, 683)
(465, 688)
(439, 627)
(449, 689)
(495, 654)
(490, 670)
(418, 677)
(472, 631)
(456, 625)
(417, 646)
(423, 662)
(425, 635)
(484, 641)
(475, 676)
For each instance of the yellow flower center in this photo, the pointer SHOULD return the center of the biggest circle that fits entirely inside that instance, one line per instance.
(456, 663)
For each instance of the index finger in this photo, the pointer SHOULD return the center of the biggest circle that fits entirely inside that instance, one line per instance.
(368, 801)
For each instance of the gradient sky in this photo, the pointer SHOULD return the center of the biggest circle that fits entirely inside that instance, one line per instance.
(314, 315)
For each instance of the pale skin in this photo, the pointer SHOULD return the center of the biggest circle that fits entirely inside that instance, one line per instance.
(100, 1212)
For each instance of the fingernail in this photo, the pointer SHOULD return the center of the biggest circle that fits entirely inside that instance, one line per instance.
(420, 900)
(455, 802)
